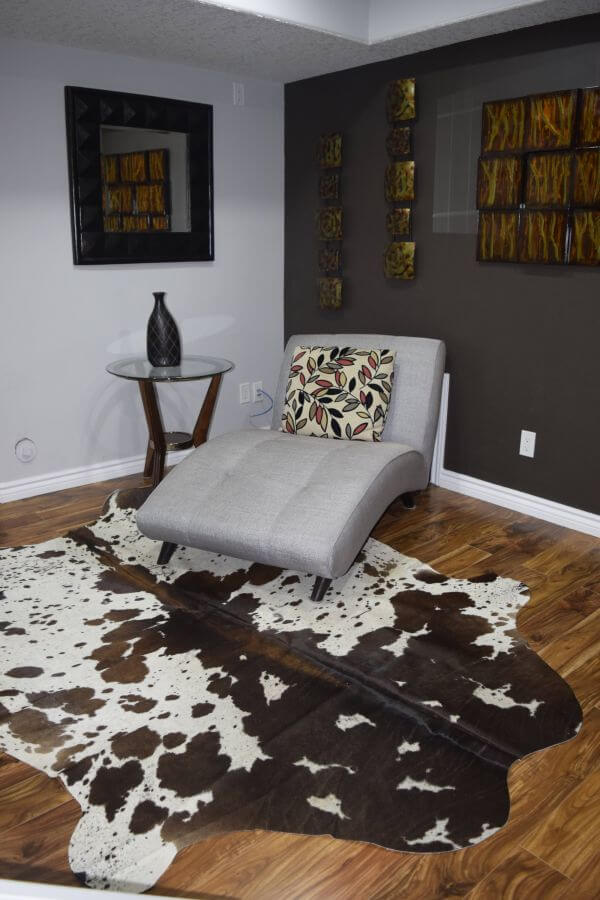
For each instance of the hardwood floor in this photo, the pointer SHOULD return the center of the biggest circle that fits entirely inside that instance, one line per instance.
(550, 847)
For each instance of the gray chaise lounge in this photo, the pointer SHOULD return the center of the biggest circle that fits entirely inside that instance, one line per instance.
(303, 503)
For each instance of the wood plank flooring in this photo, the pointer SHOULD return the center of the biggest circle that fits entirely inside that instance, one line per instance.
(550, 847)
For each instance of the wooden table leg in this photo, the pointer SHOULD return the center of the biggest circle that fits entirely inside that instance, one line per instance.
(149, 460)
(155, 456)
(206, 413)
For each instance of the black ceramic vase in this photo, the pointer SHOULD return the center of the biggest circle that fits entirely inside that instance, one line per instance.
(162, 342)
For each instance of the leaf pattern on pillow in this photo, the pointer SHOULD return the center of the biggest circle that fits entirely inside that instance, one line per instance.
(338, 392)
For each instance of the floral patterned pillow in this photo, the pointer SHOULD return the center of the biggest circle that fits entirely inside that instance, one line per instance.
(338, 392)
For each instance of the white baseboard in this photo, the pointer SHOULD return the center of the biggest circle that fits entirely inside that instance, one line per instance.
(530, 505)
(538, 507)
(67, 478)
(510, 498)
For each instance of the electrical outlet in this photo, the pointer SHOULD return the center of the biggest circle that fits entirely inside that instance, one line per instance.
(527, 447)
(245, 392)
(256, 391)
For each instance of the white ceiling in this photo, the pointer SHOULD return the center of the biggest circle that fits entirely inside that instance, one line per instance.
(282, 41)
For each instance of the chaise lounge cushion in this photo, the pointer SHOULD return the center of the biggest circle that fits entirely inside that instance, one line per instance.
(266, 496)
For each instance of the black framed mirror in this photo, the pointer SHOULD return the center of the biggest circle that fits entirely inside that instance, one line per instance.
(140, 178)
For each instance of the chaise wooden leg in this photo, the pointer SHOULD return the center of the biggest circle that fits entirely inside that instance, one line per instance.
(166, 552)
(408, 501)
(320, 588)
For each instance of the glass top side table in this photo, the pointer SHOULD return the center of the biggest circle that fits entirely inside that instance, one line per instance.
(191, 368)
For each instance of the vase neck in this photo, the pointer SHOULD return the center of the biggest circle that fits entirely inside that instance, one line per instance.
(159, 297)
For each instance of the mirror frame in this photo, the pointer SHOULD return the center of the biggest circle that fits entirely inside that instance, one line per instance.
(87, 110)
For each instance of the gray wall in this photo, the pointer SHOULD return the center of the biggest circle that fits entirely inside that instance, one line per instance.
(62, 324)
(522, 340)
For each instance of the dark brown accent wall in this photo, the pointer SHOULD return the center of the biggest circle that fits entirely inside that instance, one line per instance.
(523, 341)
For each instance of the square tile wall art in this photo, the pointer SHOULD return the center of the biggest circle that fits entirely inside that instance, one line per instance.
(330, 259)
(400, 181)
(329, 151)
(399, 260)
(548, 179)
(401, 100)
(503, 126)
(550, 121)
(397, 221)
(498, 235)
(330, 293)
(329, 187)
(540, 156)
(589, 118)
(585, 239)
(329, 223)
(542, 236)
(586, 191)
(499, 182)
(399, 141)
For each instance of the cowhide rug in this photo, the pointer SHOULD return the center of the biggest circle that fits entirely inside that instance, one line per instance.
(212, 695)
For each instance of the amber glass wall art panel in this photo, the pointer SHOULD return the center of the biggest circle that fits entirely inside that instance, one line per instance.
(159, 223)
(542, 237)
(157, 165)
(503, 126)
(112, 223)
(497, 236)
(399, 260)
(586, 190)
(136, 223)
(329, 151)
(398, 221)
(585, 238)
(330, 259)
(330, 293)
(550, 121)
(401, 100)
(329, 223)
(133, 167)
(118, 198)
(548, 179)
(329, 187)
(400, 181)
(499, 182)
(151, 198)
(110, 169)
(589, 121)
(398, 141)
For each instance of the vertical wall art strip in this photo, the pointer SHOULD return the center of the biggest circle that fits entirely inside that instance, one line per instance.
(399, 257)
(329, 221)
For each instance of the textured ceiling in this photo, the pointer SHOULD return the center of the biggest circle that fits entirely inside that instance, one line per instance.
(213, 37)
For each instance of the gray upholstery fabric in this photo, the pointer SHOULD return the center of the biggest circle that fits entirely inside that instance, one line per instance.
(302, 503)
(418, 370)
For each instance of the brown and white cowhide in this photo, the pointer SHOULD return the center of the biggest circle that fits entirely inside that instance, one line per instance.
(212, 695)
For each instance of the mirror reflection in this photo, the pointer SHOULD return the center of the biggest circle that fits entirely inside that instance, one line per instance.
(145, 185)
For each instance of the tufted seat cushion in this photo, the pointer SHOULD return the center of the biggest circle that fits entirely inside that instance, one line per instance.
(302, 503)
